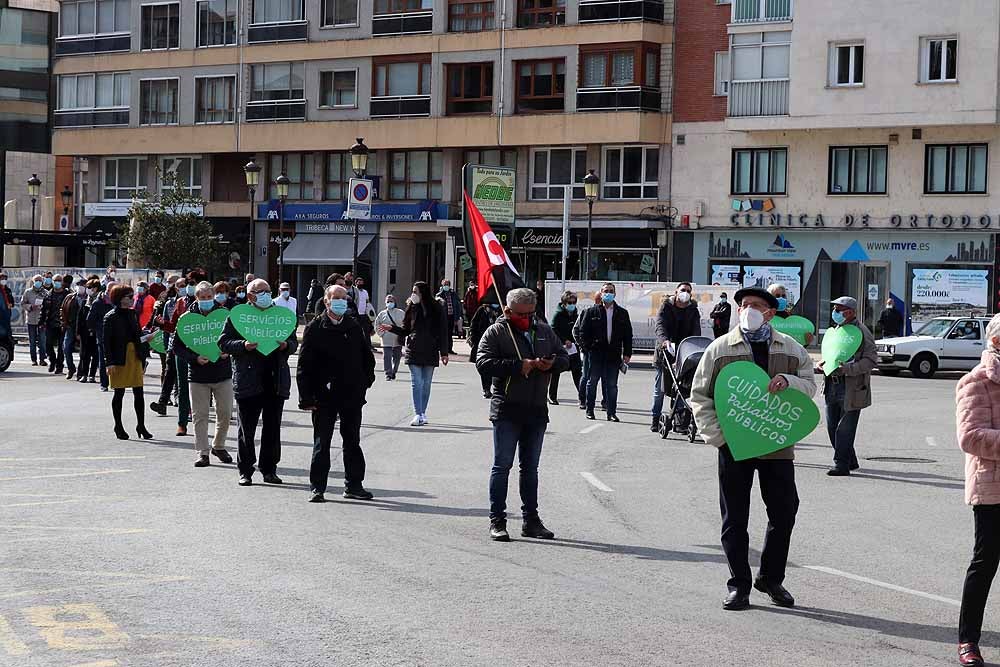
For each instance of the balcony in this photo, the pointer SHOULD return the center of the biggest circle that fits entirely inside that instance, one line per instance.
(91, 118)
(595, 11)
(758, 98)
(72, 46)
(624, 98)
(400, 106)
(276, 110)
(285, 31)
(761, 11)
(406, 23)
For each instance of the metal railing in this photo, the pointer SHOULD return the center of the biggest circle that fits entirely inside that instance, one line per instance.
(400, 106)
(618, 98)
(758, 98)
(758, 11)
(621, 10)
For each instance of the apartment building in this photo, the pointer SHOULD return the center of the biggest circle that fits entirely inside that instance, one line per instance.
(552, 88)
(841, 154)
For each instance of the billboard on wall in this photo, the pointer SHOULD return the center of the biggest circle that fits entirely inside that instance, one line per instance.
(492, 191)
(762, 276)
(942, 291)
(641, 300)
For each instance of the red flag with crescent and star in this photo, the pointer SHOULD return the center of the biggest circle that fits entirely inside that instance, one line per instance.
(493, 265)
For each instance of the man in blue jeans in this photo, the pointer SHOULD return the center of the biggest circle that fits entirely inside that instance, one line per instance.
(604, 332)
(520, 353)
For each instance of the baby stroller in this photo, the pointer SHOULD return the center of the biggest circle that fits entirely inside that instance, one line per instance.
(677, 387)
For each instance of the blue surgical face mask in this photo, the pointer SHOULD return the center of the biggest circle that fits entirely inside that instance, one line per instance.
(206, 305)
(390, 304)
(140, 290)
(190, 290)
(838, 317)
(782, 304)
(48, 282)
(37, 284)
(285, 293)
(241, 295)
(445, 288)
(338, 306)
(495, 306)
(220, 297)
(722, 300)
(157, 280)
(571, 307)
(264, 300)
(607, 297)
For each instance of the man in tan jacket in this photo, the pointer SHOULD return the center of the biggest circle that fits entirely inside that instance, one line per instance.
(788, 365)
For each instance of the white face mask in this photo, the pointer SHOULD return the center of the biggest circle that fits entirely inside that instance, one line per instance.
(414, 298)
(751, 319)
(684, 297)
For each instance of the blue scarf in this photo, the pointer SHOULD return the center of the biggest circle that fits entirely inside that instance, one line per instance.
(762, 335)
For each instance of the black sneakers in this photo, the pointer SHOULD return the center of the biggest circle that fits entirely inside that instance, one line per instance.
(534, 527)
(202, 462)
(271, 478)
(317, 497)
(358, 494)
(222, 455)
(498, 530)
(158, 408)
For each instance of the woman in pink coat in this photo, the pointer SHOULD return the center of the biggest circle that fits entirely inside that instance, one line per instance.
(978, 419)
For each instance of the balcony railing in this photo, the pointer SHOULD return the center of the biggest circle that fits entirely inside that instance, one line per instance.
(401, 106)
(71, 46)
(592, 11)
(759, 11)
(758, 98)
(406, 23)
(276, 110)
(91, 118)
(623, 98)
(286, 31)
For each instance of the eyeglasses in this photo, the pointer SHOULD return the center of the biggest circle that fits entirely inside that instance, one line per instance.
(260, 291)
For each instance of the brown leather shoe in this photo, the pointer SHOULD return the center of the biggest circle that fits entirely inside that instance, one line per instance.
(182, 430)
(969, 655)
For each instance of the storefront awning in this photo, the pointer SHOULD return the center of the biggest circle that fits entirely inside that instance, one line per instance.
(309, 249)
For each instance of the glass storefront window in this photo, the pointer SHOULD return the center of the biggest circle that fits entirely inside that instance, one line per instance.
(639, 265)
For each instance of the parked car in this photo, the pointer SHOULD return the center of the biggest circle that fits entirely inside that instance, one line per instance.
(942, 344)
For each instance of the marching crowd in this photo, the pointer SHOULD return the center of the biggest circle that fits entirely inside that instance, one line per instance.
(520, 358)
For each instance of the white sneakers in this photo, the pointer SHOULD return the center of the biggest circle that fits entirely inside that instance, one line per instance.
(419, 420)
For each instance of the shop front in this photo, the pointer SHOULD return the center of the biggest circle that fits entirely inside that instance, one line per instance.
(928, 272)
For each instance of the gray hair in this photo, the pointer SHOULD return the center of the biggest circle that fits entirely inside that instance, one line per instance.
(522, 295)
(993, 331)
(204, 286)
(336, 292)
(774, 287)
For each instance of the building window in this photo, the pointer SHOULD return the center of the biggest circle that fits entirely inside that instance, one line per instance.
(630, 66)
(298, 167)
(217, 22)
(399, 79)
(161, 26)
(631, 172)
(415, 174)
(847, 64)
(470, 88)
(87, 17)
(938, 59)
(540, 13)
(338, 89)
(277, 11)
(124, 178)
(277, 81)
(491, 158)
(95, 91)
(158, 102)
(186, 169)
(470, 16)
(337, 176)
(553, 168)
(340, 13)
(215, 99)
(759, 171)
(402, 6)
(721, 73)
(858, 170)
(955, 168)
(541, 85)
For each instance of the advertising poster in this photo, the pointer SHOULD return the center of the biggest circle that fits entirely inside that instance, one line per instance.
(492, 191)
(762, 276)
(937, 292)
(725, 274)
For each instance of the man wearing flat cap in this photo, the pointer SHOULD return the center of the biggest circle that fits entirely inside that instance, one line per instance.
(788, 365)
(848, 390)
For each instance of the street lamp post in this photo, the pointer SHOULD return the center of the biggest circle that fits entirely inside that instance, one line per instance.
(252, 171)
(34, 186)
(281, 182)
(67, 199)
(359, 164)
(591, 183)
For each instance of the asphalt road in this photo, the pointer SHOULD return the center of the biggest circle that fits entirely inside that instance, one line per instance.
(121, 553)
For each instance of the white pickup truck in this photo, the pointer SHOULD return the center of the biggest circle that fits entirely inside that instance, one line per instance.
(942, 344)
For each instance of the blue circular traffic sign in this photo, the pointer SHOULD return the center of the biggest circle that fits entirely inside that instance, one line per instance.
(360, 192)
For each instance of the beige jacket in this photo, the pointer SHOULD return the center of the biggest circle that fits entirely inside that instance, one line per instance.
(857, 372)
(786, 358)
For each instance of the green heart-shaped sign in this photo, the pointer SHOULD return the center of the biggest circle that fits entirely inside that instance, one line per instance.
(201, 332)
(156, 342)
(795, 326)
(754, 421)
(266, 327)
(839, 345)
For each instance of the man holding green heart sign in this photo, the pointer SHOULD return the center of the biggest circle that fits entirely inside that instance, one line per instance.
(751, 398)
(849, 358)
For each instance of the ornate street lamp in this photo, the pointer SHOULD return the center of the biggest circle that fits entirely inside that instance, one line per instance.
(34, 186)
(591, 185)
(359, 164)
(252, 171)
(281, 182)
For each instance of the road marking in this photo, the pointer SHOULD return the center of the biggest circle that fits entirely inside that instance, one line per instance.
(42, 502)
(5, 459)
(90, 586)
(591, 429)
(99, 663)
(931, 441)
(9, 641)
(596, 483)
(882, 584)
(65, 474)
(62, 628)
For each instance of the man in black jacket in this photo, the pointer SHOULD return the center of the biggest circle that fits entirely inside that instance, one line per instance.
(604, 332)
(336, 368)
(891, 320)
(678, 319)
(261, 385)
(207, 380)
(520, 353)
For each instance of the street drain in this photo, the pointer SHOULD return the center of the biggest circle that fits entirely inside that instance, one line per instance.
(900, 459)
